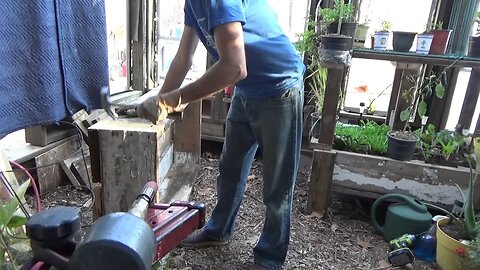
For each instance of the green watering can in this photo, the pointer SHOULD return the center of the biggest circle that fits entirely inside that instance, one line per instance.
(408, 216)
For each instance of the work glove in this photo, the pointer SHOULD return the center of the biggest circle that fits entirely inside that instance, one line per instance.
(157, 108)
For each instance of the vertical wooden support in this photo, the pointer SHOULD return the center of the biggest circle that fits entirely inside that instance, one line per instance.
(330, 105)
(136, 43)
(187, 136)
(6, 169)
(397, 80)
(470, 101)
(320, 181)
(324, 160)
(404, 86)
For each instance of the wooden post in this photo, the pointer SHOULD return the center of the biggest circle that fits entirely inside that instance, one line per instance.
(320, 181)
(397, 79)
(404, 86)
(323, 161)
(187, 131)
(330, 105)
(470, 101)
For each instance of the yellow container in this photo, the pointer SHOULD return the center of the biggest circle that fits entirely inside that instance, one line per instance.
(451, 254)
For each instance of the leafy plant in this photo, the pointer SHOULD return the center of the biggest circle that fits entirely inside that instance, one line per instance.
(12, 238)
(434, 26)
(317, 75)
(442, 143)
(471, 221)
(369, 137)
(340, 10)
(386, 26)
(422, 90)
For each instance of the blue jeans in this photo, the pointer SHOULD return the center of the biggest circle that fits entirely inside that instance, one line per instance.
(275, 125)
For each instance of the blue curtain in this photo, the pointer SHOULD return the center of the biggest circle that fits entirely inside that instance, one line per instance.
(53, 60)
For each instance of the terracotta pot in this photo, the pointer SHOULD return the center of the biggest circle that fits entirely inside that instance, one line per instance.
(448, 249)
(440, 41)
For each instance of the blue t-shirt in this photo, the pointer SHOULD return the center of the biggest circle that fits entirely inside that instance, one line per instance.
(273, 65)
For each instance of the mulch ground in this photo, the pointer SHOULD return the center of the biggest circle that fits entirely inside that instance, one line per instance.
(342, 239)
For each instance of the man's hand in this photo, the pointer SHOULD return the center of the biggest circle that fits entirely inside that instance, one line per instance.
(171, 101)
(151, 110)
(157, 108)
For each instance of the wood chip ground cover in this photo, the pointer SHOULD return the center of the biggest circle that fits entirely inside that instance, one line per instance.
(343, 239)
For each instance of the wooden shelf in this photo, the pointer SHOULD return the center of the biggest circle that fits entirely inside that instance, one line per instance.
(412, 57)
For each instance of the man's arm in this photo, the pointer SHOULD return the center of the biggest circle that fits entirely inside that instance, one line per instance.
(182, 61)
(230, 68)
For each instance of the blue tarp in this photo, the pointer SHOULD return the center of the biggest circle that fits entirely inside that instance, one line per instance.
(53, 60)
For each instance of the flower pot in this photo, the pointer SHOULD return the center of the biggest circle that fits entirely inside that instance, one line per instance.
(380, 41)
(440, 41)
(403, 41)
(451, 253)
(360, 36)
(336, 42)
(401, 148)
(348, 29)
(424, 42)
(474, 47)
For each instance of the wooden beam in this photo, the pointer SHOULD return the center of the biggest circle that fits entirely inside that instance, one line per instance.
(330, 105)
(450, 91)
(6, 169)
(187, 137)
(404, 86)
(415, 58)
(50, 174)
(397, 80)
(381, 175)
(320, 182)
(470, 101)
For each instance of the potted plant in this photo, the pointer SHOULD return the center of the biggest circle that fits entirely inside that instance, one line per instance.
(474, 43)
(340, 13)
(361, 35)
(315, 80)
(337, 27)
(458, 245)
(380, 40)
(442, 147)
(401, 143)
(403, 41)
(424, 42)
(440, 38)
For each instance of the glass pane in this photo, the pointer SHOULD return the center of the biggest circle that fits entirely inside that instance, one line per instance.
(171, 17)
(370, 78)
(291, 15)
(116, 11)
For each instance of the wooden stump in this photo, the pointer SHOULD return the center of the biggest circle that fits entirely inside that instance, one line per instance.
(126, 154)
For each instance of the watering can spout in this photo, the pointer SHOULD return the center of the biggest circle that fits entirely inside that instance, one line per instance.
(408, 216)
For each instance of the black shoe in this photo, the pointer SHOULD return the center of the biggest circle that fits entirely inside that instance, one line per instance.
(201, 239)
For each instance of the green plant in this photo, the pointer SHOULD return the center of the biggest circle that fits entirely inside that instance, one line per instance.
(12, 238)
(368, 138)
(386, 26)
(442, 143)
(317, 75)
(434, 26)
(339, 10)
(474, 252)
(420, 91)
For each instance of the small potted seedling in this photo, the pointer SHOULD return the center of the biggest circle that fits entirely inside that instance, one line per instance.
(424, 42)
(381, 37)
